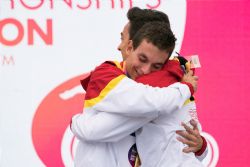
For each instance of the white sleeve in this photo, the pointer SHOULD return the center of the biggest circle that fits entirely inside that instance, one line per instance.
(105, 127)
(203, 155)
(194, 115)
(133, 99)
(126, 108)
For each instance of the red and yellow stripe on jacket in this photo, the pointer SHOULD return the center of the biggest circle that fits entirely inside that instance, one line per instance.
(101, 81)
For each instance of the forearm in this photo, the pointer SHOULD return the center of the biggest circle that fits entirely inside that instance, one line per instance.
(132, 99)
(105, 127)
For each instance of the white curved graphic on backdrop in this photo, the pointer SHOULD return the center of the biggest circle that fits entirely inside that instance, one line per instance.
(213, 151)
(68, 147)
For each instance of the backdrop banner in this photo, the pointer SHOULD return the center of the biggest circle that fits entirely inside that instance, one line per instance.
(47, 46)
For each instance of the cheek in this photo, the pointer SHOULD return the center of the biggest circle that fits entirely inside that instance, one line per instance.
(125, 43)
(137, 62)
(131, 64)
(123, 46)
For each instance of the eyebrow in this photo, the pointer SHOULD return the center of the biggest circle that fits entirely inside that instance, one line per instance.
(145, 57)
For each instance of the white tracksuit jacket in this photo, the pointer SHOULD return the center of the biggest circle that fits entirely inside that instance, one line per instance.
(122, 107)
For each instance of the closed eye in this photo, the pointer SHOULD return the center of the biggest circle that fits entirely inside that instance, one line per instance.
(143, 59)
(157, 66)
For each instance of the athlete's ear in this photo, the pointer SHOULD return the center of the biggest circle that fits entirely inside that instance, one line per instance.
(129, 48)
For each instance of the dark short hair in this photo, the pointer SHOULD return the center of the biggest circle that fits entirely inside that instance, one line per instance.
(138, 17)
(158, 33)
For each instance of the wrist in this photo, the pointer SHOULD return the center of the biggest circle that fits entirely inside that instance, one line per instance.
(203, 147)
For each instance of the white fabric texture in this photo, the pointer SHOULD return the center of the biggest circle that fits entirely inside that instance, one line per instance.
(132, 105)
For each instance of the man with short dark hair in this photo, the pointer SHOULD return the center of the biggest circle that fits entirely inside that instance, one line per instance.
(137, 18)
(108, 95)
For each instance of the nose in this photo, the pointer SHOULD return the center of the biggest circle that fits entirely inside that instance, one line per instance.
(119, 47)
(146, 69)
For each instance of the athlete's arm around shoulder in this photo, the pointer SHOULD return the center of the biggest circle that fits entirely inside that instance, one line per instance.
(110, 90)
(95, 125)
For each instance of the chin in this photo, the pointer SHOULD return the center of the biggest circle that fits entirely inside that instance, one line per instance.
(133, 77)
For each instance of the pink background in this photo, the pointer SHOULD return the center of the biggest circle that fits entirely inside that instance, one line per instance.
(219, 31)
